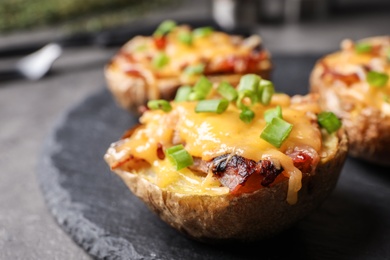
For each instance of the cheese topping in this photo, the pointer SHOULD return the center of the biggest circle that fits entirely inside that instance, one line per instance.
(214, 50)
(208, 135)
(348, 71)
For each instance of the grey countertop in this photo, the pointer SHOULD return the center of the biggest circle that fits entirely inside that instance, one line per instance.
(28, 110)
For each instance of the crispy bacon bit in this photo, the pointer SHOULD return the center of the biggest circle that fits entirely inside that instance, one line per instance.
(160, 152)
(160, 42)
(237, 64)
(348, 79)
(269, 172)
(304, 159)
(243, 175)
(134, 73)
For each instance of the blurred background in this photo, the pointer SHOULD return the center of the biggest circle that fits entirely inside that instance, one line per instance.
(92, 31)
(284, 23)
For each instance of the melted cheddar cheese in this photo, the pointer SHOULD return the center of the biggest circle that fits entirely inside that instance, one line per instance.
(208, 135)
(212, 48)
(219, 52)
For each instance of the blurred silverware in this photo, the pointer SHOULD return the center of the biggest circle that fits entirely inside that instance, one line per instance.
(35, 65)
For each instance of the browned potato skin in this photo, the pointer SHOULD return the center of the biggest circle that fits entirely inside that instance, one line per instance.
(130, 93)
(368, 132)
(241, 218)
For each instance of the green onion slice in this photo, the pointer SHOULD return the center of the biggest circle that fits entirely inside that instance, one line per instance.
(160, 60)
(266, 90)
(201, 89)
(272, 113)
(227, 91)
(329, 121)
(194, 69)
(245, 94)
(248, 87)
(195, 96)
(377, 79)
(249, 82)
(185, 37)
(276, 132)
(212, 105)
(202, 31)
(179, 157)
(363, 47)
(159, 104)
(165, 27)
(247, 115)
(183, 93)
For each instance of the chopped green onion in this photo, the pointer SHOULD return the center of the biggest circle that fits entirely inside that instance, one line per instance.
(249, 82)
(202, 31)
(185, 37)
(363, 47)
(247, 115)
(329, 121)
(194, 69)
(196, 96)
(266, 90)
(212, 105)
(165, 27)
(227, 91)
(174, 149)
(276, 132)
(248, 87)
(272, 113)
(245, 94)
(377, 79)
(183, 93)
(179, 156)
(160, 60)
(201, 89)
(159, 104)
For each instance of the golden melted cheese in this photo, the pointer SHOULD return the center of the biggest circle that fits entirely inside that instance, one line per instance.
(212, 49)
(207, 135)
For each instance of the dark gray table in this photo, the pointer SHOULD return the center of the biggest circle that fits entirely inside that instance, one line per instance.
(29, 109)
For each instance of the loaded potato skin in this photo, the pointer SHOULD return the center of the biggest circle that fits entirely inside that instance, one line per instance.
(240, 218)
(153, 67)
(238, 182)
(353, 83)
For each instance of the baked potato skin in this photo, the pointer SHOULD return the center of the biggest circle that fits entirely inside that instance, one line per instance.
(240, 218)
(133, 78)
(368, 128)
(368, 132)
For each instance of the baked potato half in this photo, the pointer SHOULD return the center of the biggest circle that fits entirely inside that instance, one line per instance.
(152, 67)
(218, 175)
(354, 84)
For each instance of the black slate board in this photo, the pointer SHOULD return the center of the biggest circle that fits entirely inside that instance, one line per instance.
(96, 209)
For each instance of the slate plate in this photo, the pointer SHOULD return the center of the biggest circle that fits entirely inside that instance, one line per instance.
(96, 209)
